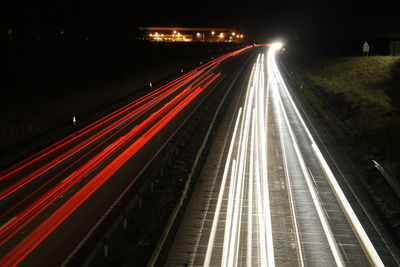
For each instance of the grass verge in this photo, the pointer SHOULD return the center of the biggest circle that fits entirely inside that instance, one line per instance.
(357, 98)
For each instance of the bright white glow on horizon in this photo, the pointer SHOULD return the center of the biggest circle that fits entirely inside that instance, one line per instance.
(277, 45)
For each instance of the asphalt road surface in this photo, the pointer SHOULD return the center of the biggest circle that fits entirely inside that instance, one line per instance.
(268, 194)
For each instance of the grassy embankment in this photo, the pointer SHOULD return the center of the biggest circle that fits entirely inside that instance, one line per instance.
(359, 97)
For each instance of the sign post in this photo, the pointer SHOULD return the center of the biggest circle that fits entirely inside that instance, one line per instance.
(365, 48)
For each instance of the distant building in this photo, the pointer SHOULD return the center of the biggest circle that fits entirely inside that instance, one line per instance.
(179, 34)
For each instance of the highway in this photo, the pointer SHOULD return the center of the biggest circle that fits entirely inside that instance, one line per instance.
(267, 195)
(53, 201)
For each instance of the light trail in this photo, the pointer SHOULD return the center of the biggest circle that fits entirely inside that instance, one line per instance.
(262, 121)
(312, 190)
(249, 255)
(84, 131)
(249, 160)
(148, 100)
(246, 166)
(20, 251)
(230, 240)
(175, 96)
(33, 210)
(133, 113)
(289, 186)
(220, 195)
(346, 207)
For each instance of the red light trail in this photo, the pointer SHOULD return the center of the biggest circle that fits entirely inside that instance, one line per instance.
(170, 100)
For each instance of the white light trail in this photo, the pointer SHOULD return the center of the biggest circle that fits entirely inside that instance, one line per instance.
(210, 244)
(312, 190)
(247, 165)
(250, 198)
(261, 222)
(263, 121)
(362, 235)
(349, 212)
(241, 155)
(261, 225)
(246, 168)
(214, 226)
(289, 186)
(235, 186)
(228, 220)
(314, 195)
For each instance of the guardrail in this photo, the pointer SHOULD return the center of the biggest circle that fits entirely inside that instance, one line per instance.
(387, 177)
(102, 243)
(155, 256)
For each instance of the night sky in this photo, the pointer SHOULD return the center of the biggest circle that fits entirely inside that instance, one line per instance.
(260, 19)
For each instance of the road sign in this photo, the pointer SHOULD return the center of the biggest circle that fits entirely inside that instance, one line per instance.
(365, 48)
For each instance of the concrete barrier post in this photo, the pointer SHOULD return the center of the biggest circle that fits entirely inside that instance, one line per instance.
(125, 223)
(105, 250)
(140, 202)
